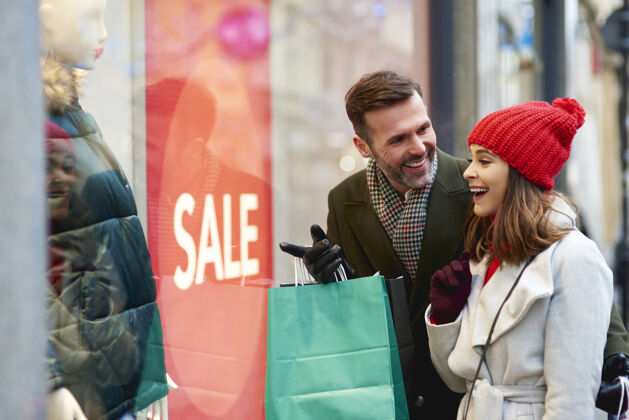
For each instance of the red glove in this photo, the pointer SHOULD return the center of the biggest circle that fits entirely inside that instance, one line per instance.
(449, 289)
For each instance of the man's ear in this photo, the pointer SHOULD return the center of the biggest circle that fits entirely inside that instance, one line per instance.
(194, 150)
(362, 146)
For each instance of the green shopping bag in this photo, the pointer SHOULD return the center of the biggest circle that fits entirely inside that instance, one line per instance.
(332, 353)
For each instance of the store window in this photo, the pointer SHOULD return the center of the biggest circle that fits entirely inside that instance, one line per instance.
(224, 124)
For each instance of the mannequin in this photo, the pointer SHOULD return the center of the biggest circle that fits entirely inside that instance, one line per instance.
(74, 32)
(105, 351)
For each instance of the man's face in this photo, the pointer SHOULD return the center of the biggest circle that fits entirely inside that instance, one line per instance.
(403, 143)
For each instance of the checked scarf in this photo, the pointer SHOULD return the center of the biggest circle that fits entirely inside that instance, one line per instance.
(404, 220)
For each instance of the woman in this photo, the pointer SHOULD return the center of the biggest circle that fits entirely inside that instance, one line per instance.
(535, 293)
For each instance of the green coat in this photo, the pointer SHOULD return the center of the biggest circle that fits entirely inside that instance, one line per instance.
(354, 225)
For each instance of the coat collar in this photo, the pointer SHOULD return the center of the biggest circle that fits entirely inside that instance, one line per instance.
(368, 228)
(536, 283)
(60, 84)
(439, 227)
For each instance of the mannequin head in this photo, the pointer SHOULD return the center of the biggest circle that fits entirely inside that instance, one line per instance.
(73, 31)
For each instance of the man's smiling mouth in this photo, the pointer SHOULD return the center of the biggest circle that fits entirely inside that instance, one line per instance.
(415, 164)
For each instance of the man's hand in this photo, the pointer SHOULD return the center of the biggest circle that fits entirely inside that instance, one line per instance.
(610, 391)
(63, 406)
(322, 258)
(449, 289)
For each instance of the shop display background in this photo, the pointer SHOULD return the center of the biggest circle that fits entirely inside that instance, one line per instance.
(280, 120)
(214, 327)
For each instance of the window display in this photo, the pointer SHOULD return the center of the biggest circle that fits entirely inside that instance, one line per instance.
(105, 353)
(209, 132)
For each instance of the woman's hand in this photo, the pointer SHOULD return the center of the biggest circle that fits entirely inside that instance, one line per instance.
(449, 289)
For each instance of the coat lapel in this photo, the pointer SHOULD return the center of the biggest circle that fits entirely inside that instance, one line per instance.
(536, 283)
(440, 226)
(447, 210)
(368, 230)
(443, 234)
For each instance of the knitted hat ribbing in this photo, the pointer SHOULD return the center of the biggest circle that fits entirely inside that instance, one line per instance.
(534, 137)
(58, 140)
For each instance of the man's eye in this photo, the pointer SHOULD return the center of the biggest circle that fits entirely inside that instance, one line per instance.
(423, 129)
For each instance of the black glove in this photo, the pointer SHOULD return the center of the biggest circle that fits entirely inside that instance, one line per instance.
(322, 258)
(609, 393)
(449, 289)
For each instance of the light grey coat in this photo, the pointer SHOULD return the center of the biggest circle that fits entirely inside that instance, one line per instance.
(546, 353)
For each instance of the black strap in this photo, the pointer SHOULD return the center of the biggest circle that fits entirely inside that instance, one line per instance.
(401, 322)
(491, 331)
(399, 309)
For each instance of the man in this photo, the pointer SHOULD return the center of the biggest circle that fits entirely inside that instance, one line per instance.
(403, 216)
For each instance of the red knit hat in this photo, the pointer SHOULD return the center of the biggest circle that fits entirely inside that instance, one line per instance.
(534, 137)
(58, 140)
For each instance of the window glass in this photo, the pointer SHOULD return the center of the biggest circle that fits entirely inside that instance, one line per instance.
(214, 130)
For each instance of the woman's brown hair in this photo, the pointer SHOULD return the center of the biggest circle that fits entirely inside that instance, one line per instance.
(521, 228)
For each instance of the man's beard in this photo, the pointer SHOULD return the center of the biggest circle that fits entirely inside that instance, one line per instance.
(397, 175)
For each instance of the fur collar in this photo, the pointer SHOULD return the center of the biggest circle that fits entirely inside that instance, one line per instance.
(60, 84)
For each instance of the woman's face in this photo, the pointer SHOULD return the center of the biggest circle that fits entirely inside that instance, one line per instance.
(488, 176)
(74, 31)
(60, 178)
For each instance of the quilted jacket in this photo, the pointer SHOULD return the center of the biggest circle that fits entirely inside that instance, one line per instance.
(105, 337)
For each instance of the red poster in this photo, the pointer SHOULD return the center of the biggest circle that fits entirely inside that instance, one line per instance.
(209, 199)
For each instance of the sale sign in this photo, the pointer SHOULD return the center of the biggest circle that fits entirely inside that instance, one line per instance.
(209, 200)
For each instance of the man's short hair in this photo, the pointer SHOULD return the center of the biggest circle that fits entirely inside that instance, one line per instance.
(375, 91)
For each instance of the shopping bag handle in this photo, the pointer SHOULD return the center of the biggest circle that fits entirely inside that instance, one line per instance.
(303, 277)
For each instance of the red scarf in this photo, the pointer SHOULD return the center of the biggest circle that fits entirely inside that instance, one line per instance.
(493, 266)
(495, 262)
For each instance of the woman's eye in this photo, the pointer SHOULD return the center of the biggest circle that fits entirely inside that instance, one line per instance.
(68, 167)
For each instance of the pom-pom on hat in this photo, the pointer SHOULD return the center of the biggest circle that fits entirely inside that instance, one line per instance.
(534, 137)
